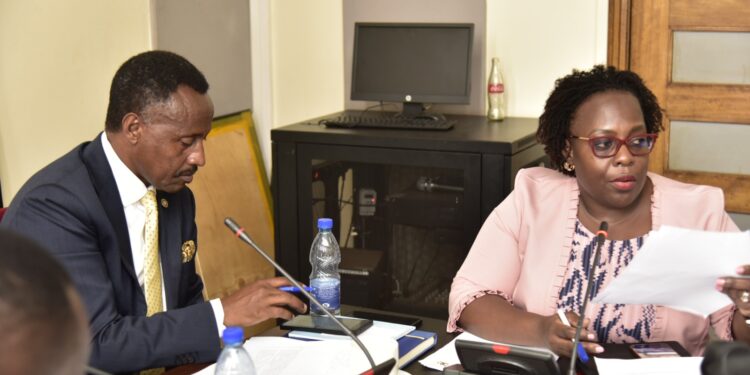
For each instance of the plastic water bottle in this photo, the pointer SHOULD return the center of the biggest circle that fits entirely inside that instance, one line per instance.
(234, 360)
(325, 280)
(495, 93)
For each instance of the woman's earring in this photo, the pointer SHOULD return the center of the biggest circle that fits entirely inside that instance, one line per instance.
(568, 166)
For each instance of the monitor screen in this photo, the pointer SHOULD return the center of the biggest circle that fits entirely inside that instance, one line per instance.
(412, 62)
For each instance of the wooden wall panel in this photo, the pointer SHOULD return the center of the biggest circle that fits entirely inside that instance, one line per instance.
(712, 103)
(232, 184)
(717, 15)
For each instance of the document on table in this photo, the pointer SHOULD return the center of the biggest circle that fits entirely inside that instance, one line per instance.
(281, 355)
(392, 330)
(650, 366)
(678, 267)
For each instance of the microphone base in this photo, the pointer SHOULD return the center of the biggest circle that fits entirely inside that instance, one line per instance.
(581, 368)
(381, 369)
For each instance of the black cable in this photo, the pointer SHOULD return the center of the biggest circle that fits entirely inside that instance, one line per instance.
(341, 190)
(422, 251)
(351, 219)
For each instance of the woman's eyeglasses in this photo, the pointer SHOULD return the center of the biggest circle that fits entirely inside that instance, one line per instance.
(608, 146)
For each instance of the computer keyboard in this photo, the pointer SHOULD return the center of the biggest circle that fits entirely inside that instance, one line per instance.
(388, 122)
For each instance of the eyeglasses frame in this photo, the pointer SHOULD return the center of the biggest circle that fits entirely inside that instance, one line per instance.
(620, 142)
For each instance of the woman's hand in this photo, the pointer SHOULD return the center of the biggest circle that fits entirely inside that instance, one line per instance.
(738, 289)
(559, 337)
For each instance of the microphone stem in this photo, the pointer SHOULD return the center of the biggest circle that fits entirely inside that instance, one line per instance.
(577, 338)
(232, 225)
(95, 371)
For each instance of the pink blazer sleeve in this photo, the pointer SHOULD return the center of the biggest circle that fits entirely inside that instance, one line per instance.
(494, 261)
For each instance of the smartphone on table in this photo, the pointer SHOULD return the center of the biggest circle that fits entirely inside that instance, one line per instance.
(653, 350)
(390, 318)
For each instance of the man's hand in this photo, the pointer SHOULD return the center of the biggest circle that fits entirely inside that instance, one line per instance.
(559, 337)
(259, 301)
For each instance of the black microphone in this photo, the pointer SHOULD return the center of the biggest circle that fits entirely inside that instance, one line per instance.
(240, 233)
(428, 185)
(601, 235)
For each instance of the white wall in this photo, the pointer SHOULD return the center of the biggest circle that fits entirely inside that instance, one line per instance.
(427, 11)
(539, 41)
(307, 59)
(57, 59)
(297, 58)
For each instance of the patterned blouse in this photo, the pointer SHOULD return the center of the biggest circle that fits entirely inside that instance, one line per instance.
(615, 323)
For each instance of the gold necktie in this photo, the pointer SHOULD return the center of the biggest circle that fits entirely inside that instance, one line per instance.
(151, 264)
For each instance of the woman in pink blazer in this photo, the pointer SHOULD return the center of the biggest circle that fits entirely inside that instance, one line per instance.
(533, 254)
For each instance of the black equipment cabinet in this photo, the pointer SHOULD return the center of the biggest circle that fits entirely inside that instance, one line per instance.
(406, 204)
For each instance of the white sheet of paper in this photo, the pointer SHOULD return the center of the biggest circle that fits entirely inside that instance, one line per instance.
(447, 355)
(281, 355)
(678, 267)
(650, 366)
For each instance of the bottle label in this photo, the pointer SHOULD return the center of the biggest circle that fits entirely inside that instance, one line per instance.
(328, 293)
(496, 88)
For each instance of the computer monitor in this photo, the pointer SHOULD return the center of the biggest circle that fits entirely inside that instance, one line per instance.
(413, 63)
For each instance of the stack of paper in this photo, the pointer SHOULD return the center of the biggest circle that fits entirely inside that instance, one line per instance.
(678, 267)
(281, 355)
(650, 366)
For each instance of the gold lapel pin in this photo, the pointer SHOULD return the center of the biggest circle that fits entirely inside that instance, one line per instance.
(164, 203)
(188, 251)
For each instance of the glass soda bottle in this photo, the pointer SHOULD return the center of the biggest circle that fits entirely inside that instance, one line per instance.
(325, 280)
(495, 93)
(234, 359)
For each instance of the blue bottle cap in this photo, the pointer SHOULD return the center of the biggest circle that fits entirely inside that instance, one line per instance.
(232, 335)
(325, 223)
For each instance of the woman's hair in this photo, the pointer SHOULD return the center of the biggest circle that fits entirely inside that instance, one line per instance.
(574, 89)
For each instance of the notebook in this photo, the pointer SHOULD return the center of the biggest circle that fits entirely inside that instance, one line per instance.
(413, 345)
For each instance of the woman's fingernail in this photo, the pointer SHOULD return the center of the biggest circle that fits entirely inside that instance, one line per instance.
(720, 284)
(591, 336)
(741, 270)
(599, 349)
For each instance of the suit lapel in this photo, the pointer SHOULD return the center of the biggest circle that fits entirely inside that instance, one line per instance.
(170, 252)
(106, 190)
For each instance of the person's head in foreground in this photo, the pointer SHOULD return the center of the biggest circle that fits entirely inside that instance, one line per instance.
(159, 114)
(43, 327)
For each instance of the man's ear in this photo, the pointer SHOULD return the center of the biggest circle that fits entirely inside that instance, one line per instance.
(132, 127)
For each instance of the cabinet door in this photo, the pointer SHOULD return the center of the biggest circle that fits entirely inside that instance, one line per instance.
(407, 215)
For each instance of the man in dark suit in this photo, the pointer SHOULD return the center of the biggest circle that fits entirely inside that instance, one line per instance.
(130, 253)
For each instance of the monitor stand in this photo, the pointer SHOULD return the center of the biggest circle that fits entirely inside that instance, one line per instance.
(413, 110)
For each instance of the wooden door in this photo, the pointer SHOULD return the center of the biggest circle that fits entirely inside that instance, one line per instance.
(707, 105)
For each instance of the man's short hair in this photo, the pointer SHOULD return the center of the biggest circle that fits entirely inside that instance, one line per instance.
(40, 327)
(146, 79)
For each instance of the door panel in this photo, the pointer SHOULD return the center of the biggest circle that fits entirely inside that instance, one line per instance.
(694, 57)
(709, 147)
(709, 14)
(656, 34)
